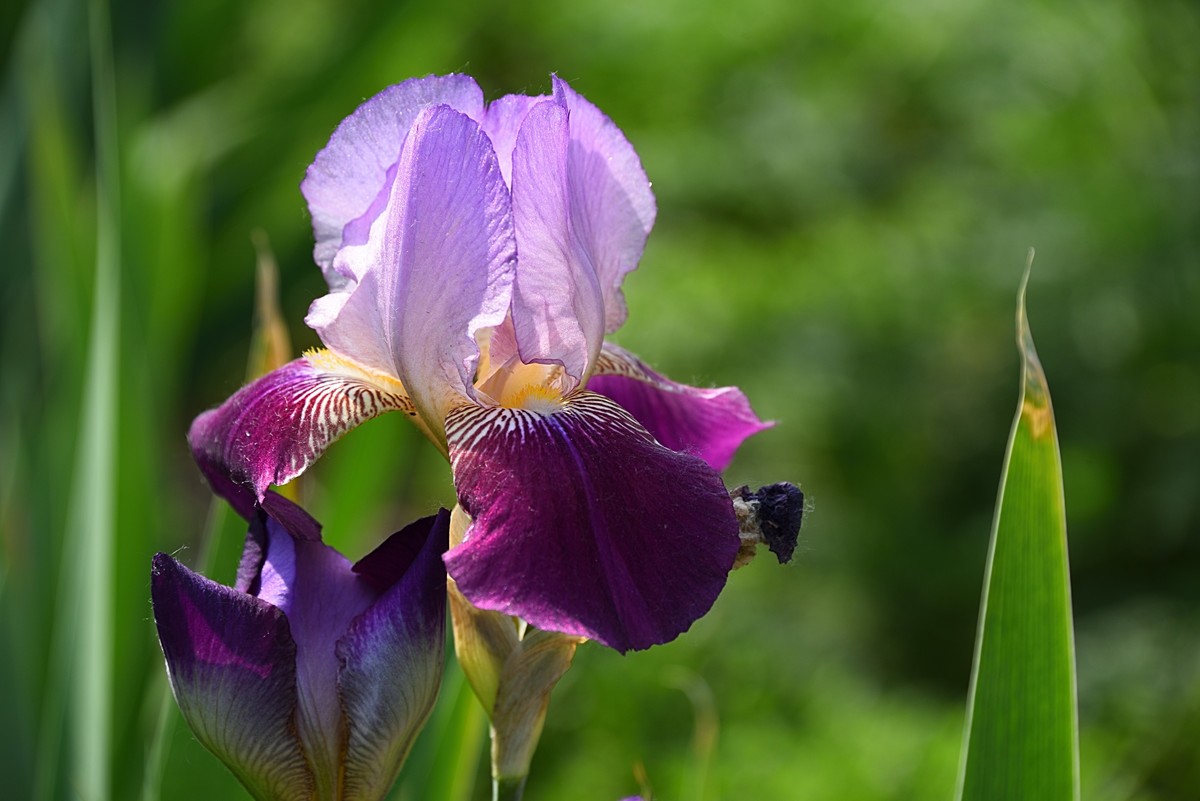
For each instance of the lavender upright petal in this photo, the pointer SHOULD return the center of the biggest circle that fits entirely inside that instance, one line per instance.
(710, 423)
(613, 208)
(583, 524)
(441, 268)
(348, 183)
(502, 121)
(558, 305)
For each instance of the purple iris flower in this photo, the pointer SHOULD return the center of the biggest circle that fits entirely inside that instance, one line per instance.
(310, 678)
(474, 255)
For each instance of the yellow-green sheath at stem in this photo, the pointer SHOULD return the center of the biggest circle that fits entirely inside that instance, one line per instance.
(512, 668)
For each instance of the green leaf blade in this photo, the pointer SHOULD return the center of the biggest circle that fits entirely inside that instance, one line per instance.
(1022, 734)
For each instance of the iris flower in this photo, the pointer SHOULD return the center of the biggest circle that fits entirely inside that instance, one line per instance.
(310, 678)
(474, 255)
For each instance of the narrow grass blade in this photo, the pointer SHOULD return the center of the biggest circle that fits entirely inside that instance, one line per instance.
(82, 655)
(95, 490)
(1022, 733)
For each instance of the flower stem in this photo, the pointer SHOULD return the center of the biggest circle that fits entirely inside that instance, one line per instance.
(508, 788)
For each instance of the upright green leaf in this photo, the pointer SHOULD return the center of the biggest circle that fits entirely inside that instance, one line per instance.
(82, 656)
(1022, 733)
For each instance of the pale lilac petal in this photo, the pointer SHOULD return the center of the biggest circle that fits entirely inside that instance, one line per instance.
(348, 183)
(558, 306)
(612, 206)
(502, 121)
(710, 423)
(359, 333)
(391, 658)
(583, 524)
(231, 662)
(442, 268)
(271, 430)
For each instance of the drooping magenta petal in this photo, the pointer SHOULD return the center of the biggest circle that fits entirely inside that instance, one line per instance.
(391, 658)
(231, 662)
(272, 429)
(710, 423)
(558, 306)
(583, 524)
(348, 183)
(613, 208)
(501, 122)
(441, 268)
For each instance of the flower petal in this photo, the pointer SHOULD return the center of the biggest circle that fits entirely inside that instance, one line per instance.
(710, 423)
(315, 587)
(583, 524)
(612, 206)
(502, 121)
(231, 661)
(558, 305)
(348, 183)
(272, 429)
(391, 659)
(440, 269)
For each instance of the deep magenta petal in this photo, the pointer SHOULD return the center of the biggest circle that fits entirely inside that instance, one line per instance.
(710, 423)
(348, 183)
(583, 524)
(231, 662)
(392, 656)
(272, 429)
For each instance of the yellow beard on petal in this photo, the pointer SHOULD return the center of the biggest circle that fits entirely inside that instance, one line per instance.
(330, 362)
(535, 398)
(535, 387)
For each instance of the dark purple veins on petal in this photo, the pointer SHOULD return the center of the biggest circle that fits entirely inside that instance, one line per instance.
(273, 428)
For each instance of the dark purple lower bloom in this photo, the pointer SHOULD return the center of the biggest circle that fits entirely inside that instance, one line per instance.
(312, 677)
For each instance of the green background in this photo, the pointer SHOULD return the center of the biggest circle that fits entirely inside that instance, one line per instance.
(846, 193)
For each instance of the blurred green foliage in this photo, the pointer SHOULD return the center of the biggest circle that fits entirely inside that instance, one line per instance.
(846, 192)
